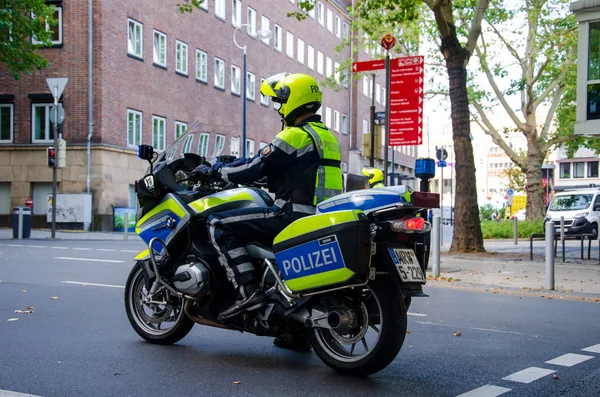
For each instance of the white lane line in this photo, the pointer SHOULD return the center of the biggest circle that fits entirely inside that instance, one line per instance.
(478, 329)
(417, 314)
(486, 391)
(129, 251)
(8, 393)
(60, 248)
(82, 249)
(592, 349)
(15, 245)
(569, 359)
(528, 375)
(88, 259)
(92, 284)
(37, 246)
(104, 249)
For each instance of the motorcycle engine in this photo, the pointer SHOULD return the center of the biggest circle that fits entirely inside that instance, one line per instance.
(192, 279)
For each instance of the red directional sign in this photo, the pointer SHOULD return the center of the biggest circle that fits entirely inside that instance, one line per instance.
(406, 101)
(365, 66)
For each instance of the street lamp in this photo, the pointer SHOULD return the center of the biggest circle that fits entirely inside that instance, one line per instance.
(261, 34)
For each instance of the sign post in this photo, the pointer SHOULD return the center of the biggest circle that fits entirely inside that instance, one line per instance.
(56, 85)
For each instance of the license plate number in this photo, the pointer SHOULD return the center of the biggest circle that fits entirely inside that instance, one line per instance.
(407, 265)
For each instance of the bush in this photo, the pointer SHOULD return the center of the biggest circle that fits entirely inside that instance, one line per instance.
(504, 229)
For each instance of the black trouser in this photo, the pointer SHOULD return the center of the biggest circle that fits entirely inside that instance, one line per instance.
(229, 232)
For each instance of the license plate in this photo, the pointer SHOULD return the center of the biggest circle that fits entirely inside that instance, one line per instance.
(407, 265)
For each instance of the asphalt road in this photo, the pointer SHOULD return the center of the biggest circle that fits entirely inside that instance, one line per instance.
(81, 344)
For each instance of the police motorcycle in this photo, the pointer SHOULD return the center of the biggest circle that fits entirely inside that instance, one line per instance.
(344, 277)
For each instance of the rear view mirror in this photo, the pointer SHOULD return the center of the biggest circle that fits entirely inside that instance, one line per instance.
(145, 152)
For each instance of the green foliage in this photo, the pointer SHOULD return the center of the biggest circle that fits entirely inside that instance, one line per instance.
(514, 177)
(505, 228)
(17, 27)
(486, 211)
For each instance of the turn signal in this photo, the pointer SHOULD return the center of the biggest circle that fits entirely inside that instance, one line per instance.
(415, 223)
(410, 225)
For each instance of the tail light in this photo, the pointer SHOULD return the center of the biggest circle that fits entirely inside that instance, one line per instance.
(410, 225)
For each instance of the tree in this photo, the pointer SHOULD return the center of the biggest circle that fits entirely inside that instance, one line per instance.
(514, 178)
(533, 47)
(20, 20)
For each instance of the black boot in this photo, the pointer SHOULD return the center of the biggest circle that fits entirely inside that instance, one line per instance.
(297, 342)
(250, 298)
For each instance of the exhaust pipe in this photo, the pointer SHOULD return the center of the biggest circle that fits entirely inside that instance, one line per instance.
(341, 321)
(188, 310)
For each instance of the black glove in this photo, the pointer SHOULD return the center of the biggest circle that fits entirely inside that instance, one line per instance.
(206, 171)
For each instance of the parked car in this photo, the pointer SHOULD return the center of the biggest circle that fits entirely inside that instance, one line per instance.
(520, 215)
(579, 208)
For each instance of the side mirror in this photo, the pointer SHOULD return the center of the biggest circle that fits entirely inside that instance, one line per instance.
(145, 152)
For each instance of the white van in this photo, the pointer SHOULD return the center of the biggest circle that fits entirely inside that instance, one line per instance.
(580, 208)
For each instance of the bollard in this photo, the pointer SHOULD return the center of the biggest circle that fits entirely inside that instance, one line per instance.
(126, 227)
(562, 236)
(516, 230)
(435, 246)
(20, 226)
(550, 255)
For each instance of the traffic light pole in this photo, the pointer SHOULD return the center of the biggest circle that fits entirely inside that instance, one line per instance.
(54, 168)
(372, 154)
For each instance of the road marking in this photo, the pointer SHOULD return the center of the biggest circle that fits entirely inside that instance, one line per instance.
(82, 249)
(60, 248)
(36, 246)
(479, 329)
(8, 393)
(568, 360)
(92, 284)
(104, 249)
(592, 349)
(486, 391)
(417, 314)
(88, 259)
(135, 252)
(528, 375)
(15, 245)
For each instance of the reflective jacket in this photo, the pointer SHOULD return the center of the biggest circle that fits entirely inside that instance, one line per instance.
(302, 164)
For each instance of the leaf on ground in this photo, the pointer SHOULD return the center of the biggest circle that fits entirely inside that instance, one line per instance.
(457, 334)
(534, 336)
(408, 331)
(555, 376)
(30, 308)
(237, 382)
(550, 297)
(12, 319)
(54, 297)
(596, 299)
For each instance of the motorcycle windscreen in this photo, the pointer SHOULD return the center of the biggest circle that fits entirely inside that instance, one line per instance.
(195, 139)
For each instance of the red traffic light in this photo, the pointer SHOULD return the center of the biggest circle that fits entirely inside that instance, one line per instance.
(51, 152)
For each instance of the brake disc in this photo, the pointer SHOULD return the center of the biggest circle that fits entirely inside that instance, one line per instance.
(159, 315)
(362, 328)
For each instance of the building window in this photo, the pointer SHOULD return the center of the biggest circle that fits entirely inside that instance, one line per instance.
(40, 123)
(264, 100)
(301, 51)
(219, 73)
(320, 13)
(159, 53)
(344, 124)
(220, 9)
(187, 144)
(328, 117)
(378, 93)
(311, 57)
(338, 26)
(565, 170)
(236, 12)
(7, 122)
(336, 121)
(235, 80)
(203, 144)
(219, 145)
(593, 83)
(320, 62)
(311, 13)
(330, 20)
(201, 66)
(365, 124)
(159, 128)
(249, 147)
(57, 31)
(135, 33)
(250, 86)
(277, 38)
(265, 26)
(365, 85)
(180, 128)
(181, 57)
(592, 169)
(345, 30)
(251, 21)
(329, 67)
(579, 170)
(234, 146)
(289, 44)
(134, 127)
(204, 4)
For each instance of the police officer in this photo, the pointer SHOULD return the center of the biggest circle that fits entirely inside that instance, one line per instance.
(302, 166)
(375, 176)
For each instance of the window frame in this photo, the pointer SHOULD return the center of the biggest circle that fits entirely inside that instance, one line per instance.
(344, 130)
(217, 140)
(200, 54)
(338, 26)
(203, 4)
(345, 30)
(250, 148)
(320, 13)
(589, 173)
(264, 100)
(158, 62)
(236, 13)
(186, 146)
(320, 63)
(59, 25)
(251, 21)
(310, 57)
(336, 121)
(11, 126)
(578, 166)
(565, 173)
(178, 45)
(289, 44)
(330, 20)
(140, 115)
(300, 50)
(328, 67)
(141, 38)
(156, 135)
(200, 141)
(327, 117)
(277, 38)
(236, 71)
(217, 78)
(47, 128)
(221, 9)
(180, 125)
(265, 26)
(234, 141)
(250, 86)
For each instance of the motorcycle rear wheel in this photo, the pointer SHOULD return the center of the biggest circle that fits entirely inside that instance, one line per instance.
(148, 318)
(383, 313)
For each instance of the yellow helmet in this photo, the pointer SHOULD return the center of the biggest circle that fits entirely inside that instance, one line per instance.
(296, 94)
(375, 175)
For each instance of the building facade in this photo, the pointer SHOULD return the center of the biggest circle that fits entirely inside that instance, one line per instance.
(156, 71)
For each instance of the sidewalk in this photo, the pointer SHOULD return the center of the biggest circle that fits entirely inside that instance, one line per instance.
(7, 234)
(506, 268)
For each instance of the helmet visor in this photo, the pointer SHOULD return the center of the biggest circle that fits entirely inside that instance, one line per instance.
(268, 86)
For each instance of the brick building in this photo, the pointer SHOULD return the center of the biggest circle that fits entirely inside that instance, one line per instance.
(154, 72)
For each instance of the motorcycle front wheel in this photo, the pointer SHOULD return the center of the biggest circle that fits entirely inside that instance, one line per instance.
(377, 337)
(159, 319)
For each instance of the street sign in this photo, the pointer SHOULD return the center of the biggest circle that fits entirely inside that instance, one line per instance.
(441, 154)
(441, 163)
(510, 192)
(365, 66)
(57, 85)
(388, 41)
(380, 115)
(406, 101)
(61, 114)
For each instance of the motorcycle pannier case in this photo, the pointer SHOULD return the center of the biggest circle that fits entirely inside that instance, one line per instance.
(322, 250)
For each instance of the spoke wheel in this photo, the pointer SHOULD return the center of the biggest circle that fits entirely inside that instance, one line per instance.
(162, 323)
(376, 338)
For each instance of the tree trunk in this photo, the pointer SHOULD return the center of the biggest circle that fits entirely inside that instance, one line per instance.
(467, 229)
(535, 189)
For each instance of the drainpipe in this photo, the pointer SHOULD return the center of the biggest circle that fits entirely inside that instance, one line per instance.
(351, 83)
(90, 93)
